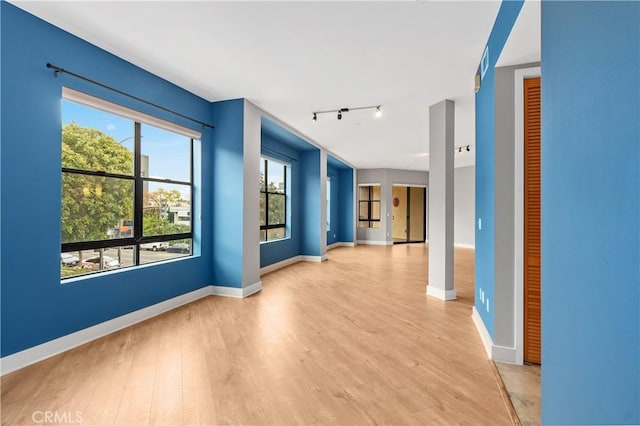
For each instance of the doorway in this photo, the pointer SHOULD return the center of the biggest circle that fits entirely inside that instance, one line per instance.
(408, 214)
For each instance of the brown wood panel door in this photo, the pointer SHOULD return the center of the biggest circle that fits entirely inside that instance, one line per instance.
(532, 300)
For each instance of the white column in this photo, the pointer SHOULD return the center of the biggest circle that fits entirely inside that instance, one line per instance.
(441, 146)
(251, 201)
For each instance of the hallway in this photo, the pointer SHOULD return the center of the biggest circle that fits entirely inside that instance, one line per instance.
(353, 340)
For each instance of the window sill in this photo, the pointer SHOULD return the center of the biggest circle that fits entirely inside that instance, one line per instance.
(115, 271)
(275, 241)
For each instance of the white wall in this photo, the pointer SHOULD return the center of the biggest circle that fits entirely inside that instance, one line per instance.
(386, 178)
(464, 202)
(464, 206)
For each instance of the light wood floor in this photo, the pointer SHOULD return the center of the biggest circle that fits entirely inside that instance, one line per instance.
(351, 341)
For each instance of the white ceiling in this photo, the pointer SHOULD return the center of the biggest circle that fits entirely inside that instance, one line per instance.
(293, 58)
(523, 45)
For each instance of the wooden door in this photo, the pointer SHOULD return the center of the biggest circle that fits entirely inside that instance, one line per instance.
(416, 217)
(532, 300)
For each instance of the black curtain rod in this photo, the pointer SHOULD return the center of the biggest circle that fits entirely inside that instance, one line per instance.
(58, 70)
(279, 153)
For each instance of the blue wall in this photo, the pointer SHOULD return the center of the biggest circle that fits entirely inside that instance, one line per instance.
(227, 163)
(342, 219)
(35, 306)
(333, 234)
(346, 203)
(276, 251)
(304, 187)
(591, 212)
(310, 203)
(485, 164)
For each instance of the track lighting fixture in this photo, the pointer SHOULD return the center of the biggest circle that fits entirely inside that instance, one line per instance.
(460, 149)
(468, 148)
(340, 111)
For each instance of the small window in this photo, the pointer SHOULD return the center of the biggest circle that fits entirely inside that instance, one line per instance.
(369, 206)
(126, 188)
(328, 203)
(273, 200)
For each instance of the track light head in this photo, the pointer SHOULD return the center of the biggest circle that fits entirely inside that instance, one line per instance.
(341, 111)
(468, 148)
(460, 149)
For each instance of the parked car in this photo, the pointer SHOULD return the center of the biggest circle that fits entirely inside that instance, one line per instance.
(162, 245)
(179, 248)
(108, 262)
(67, 259)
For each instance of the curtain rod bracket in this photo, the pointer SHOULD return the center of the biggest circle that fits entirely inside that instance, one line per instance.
(56, 70)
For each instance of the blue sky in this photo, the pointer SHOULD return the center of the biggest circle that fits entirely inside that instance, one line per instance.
(276, 171)
(168, 152)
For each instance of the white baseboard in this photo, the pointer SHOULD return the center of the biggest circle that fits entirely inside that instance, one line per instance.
(503, 354)
(313, 258)
(494, 352)
(482, 331)
(375, 243)
(251, 289)
(53, 347)
(291, 261)
(279, 265)
(340, 244)
(238, 292)
(468, 246)
(441, 293)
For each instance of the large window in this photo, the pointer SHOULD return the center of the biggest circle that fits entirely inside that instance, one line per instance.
(369, 206)
(127, 188)
(273, 200)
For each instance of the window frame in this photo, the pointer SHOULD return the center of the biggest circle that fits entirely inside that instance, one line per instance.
(266, 227)
(368, 222)
(137, 238)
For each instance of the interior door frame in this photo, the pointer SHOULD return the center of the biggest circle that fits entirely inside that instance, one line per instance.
(424, 212)
(519, 76)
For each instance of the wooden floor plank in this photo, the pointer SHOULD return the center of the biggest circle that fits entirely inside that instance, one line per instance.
(353, 340)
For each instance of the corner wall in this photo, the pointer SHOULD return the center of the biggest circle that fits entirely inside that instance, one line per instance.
(464, 206)
(333, 234)
(342, 201)
(346, 206)
(36, 307)
(227, 163)
(591, 212)
(504, 207)
(485, 168)
(279, 250)
(311, 204)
